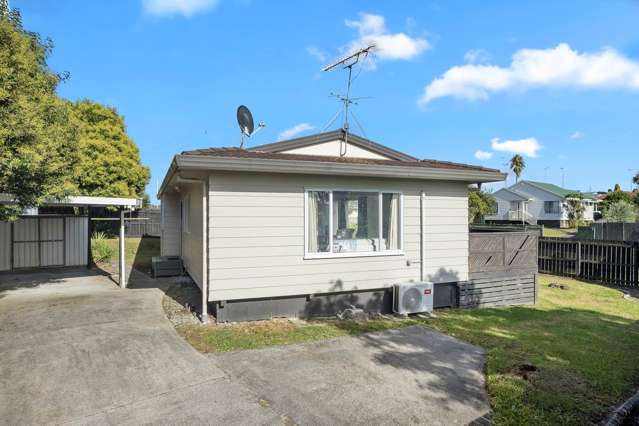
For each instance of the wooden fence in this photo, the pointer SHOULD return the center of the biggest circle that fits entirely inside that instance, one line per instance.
(502, 270)
(608, 262)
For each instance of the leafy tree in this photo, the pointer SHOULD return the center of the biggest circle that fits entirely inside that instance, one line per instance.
(37, 144)
(620, 211)
(480, 204)
(517, 165)
(613, 197)
(109, 159)
(575, 209)
(617, 188)
(635, 180)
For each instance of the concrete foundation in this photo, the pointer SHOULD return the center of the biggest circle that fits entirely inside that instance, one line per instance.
(323, 305)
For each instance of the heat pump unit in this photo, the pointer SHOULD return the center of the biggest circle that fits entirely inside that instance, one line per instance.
(166, 266)
(412, 298)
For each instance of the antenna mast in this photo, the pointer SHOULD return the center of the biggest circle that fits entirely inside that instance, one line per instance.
(347, 63)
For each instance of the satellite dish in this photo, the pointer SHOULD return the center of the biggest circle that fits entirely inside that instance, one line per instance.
(245, 120)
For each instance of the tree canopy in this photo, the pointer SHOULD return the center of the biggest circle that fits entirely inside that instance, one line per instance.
(51, 147)
(517, 165)
(575, 208)
(109, 160)
(480, 204)
(613, 197)
(37, 146)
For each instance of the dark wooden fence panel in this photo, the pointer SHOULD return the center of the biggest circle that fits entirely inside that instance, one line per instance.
(608, 262)
(502, 270)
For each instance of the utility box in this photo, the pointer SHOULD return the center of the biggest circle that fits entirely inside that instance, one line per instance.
(166, 266)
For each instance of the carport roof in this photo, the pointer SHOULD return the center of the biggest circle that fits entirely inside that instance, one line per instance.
(83, 201)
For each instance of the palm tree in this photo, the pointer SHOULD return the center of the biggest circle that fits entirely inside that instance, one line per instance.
(517, 165)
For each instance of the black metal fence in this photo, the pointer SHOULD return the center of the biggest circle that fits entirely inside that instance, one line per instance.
(608, 262)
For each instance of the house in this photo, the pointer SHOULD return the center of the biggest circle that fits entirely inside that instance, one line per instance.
(293, 228)
(538, 203)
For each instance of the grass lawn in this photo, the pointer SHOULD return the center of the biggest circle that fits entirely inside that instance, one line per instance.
(138, 251)
(583, 342)
(560, 232)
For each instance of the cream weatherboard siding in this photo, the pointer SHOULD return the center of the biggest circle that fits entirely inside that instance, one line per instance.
(192, 239)
(332, 149)
(256, 237)
(170, 218)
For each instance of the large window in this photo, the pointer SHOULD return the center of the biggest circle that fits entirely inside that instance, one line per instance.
(353, 223)
(552, 207)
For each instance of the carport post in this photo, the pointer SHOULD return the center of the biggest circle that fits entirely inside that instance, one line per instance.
(122, 256)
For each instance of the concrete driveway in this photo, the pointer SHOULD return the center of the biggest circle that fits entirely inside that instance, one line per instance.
(74, 348)
(405, 376)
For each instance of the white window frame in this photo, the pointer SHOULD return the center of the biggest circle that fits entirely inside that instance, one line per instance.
(186, 214)
(381, 252)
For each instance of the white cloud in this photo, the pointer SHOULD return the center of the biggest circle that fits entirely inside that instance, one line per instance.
(560, 66)
(483, 155)
(295, 130)
(527, 147)
(389, 46)
(577, 135)
(317, 53)
(178, 7)
(477, 56)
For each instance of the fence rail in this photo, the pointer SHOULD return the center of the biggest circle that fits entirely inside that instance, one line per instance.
(608, 262)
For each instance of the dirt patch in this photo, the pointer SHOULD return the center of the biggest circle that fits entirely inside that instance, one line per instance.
(525, 370)
(182, 302)
(559, 286)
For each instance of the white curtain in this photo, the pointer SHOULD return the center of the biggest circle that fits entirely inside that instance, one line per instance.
(393, 225)
(312, 222)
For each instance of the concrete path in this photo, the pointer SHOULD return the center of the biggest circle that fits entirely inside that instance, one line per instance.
(405, 376)
(74, 348)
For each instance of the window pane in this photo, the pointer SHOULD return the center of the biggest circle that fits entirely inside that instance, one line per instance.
(390, 221)
(355, 222)
(318, 222)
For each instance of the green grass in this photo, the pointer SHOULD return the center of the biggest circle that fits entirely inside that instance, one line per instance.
(560, 232)
(259, 334)
(584, 342)
(138, 251)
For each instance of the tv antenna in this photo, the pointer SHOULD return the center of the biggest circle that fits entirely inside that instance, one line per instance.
(348, 62)
(246, 123)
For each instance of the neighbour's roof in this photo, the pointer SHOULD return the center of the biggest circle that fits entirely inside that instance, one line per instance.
(243, 153)
(554, 189)
(521, 196)
(332, 136)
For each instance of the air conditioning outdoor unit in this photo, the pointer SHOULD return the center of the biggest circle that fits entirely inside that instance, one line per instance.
(413, 298)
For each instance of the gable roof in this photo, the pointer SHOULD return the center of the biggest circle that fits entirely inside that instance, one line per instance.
(244, 153)
(332, 136)
(522, 197)
(553, 189)
(242, 160)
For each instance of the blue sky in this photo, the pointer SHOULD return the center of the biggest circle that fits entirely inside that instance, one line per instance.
(555, 81)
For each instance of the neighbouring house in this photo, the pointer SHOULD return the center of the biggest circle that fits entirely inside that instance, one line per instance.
(295, 229)
(538, 203)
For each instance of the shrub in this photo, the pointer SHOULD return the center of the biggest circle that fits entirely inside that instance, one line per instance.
(100, 248)
(620, 211)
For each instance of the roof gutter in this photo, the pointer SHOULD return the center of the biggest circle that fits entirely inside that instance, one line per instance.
(199, 162)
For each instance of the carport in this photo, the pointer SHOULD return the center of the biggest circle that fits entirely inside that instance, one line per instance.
(56, 240)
